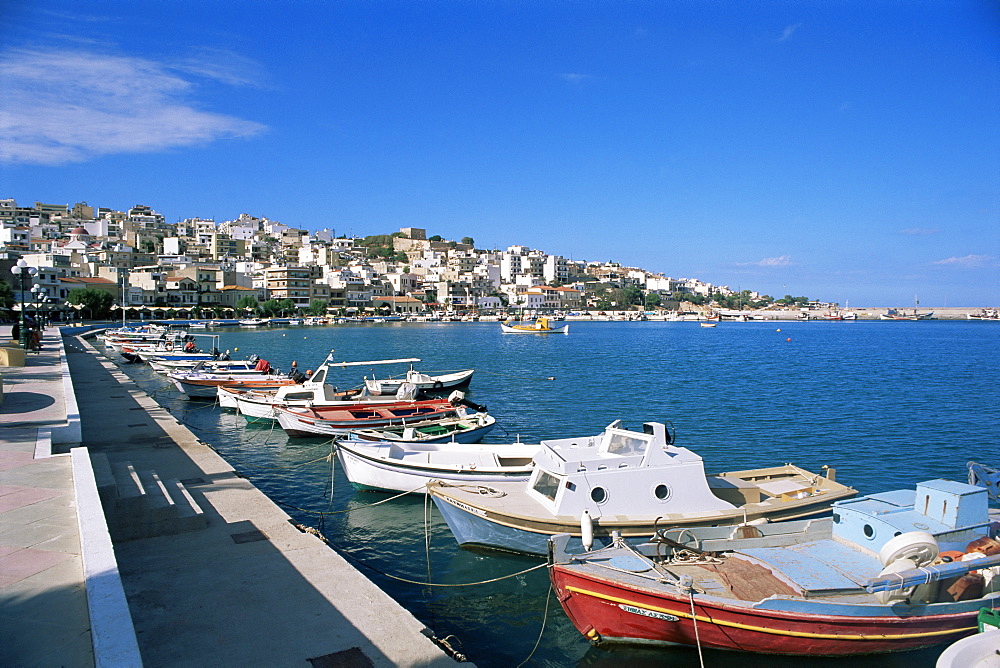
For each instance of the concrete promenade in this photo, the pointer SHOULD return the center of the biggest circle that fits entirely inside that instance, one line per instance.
(246, 588)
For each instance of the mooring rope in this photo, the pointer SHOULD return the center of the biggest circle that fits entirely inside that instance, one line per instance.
(545, 616)
(346, 510)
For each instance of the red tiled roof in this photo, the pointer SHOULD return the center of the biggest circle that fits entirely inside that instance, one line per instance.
(87, 279)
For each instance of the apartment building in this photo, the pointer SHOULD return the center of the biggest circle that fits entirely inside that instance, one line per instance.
(292, 282)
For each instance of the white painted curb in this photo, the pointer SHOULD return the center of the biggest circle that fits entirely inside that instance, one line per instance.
(111, 629)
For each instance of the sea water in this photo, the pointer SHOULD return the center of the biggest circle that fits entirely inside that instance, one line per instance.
(888, 404)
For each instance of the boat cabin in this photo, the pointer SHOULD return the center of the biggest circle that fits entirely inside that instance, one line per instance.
(954, 512)
(576, 474)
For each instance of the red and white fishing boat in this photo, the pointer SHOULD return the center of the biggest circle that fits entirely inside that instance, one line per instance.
(339, 420)
(888, 572)
(197, 385)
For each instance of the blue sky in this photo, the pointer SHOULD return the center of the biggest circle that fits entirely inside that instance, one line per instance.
(845, 151)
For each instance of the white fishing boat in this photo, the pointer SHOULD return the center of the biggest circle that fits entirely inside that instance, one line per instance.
(340, 420)
(465, 429)
(425, 382)
(407, 467)
(314, 391)
(626, 481)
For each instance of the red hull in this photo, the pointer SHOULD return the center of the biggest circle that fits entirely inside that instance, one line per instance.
(600, 610)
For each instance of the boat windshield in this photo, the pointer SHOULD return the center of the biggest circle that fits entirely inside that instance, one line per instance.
(626, 444)
(547, 485)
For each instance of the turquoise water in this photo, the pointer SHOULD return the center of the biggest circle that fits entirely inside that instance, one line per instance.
(887, 404)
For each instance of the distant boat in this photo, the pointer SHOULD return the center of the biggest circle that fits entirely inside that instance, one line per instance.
(539, 326)
(709, 324)
(254, 322)
(899, 314)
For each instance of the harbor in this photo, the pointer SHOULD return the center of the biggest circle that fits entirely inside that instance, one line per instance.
(248, 588)
(808, 393)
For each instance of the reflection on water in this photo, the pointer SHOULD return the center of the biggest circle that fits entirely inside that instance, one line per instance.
(887, 404)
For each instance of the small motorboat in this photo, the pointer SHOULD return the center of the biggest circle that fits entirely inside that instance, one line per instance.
(887, 572)
(313, 391)
(626, 481)
(199, 385)
(407, 467)
(466, 429)
(425, 382)
(539, 326)
(340, 419)
(981, 650)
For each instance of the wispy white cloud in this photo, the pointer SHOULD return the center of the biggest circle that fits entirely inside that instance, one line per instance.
(789, 30)
(574, 78)
(780, 261)
(919, 231)
(967, 262)
(68, 106)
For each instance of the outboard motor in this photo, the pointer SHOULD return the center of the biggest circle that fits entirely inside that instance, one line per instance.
(456, 398)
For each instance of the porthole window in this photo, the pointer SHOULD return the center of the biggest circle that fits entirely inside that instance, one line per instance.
(599, 495)
(661, 492)
(869, 531)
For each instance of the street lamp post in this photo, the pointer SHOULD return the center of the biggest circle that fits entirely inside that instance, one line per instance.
(38, 296)
(24, 274)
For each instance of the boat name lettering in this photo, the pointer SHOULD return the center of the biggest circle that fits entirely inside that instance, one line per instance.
(467, 508)
(648, 613)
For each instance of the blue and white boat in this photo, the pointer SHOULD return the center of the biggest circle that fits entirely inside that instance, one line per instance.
(408, 467)
(626, 481)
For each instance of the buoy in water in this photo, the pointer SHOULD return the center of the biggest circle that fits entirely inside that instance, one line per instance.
(778, 330)
(551, 378)
(788, 339)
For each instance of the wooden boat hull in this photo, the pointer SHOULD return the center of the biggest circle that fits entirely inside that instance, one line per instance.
(368, 469)
(603, 611)
(461, 430)
(477, 521)
(209, 388)
(307, 422)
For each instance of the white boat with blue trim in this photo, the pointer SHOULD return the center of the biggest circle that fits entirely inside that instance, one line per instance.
(627, 481)
(408, 467)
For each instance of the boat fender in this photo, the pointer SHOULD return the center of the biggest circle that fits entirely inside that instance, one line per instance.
(587, 530)
(919, 546)
(169, 346)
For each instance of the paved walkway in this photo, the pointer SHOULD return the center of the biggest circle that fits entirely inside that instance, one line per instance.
(43, 601)
(250, 589)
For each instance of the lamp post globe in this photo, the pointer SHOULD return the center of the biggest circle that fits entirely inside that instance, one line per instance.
(24, 274)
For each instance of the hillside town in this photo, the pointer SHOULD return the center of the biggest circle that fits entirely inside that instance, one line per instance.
(200, 268)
